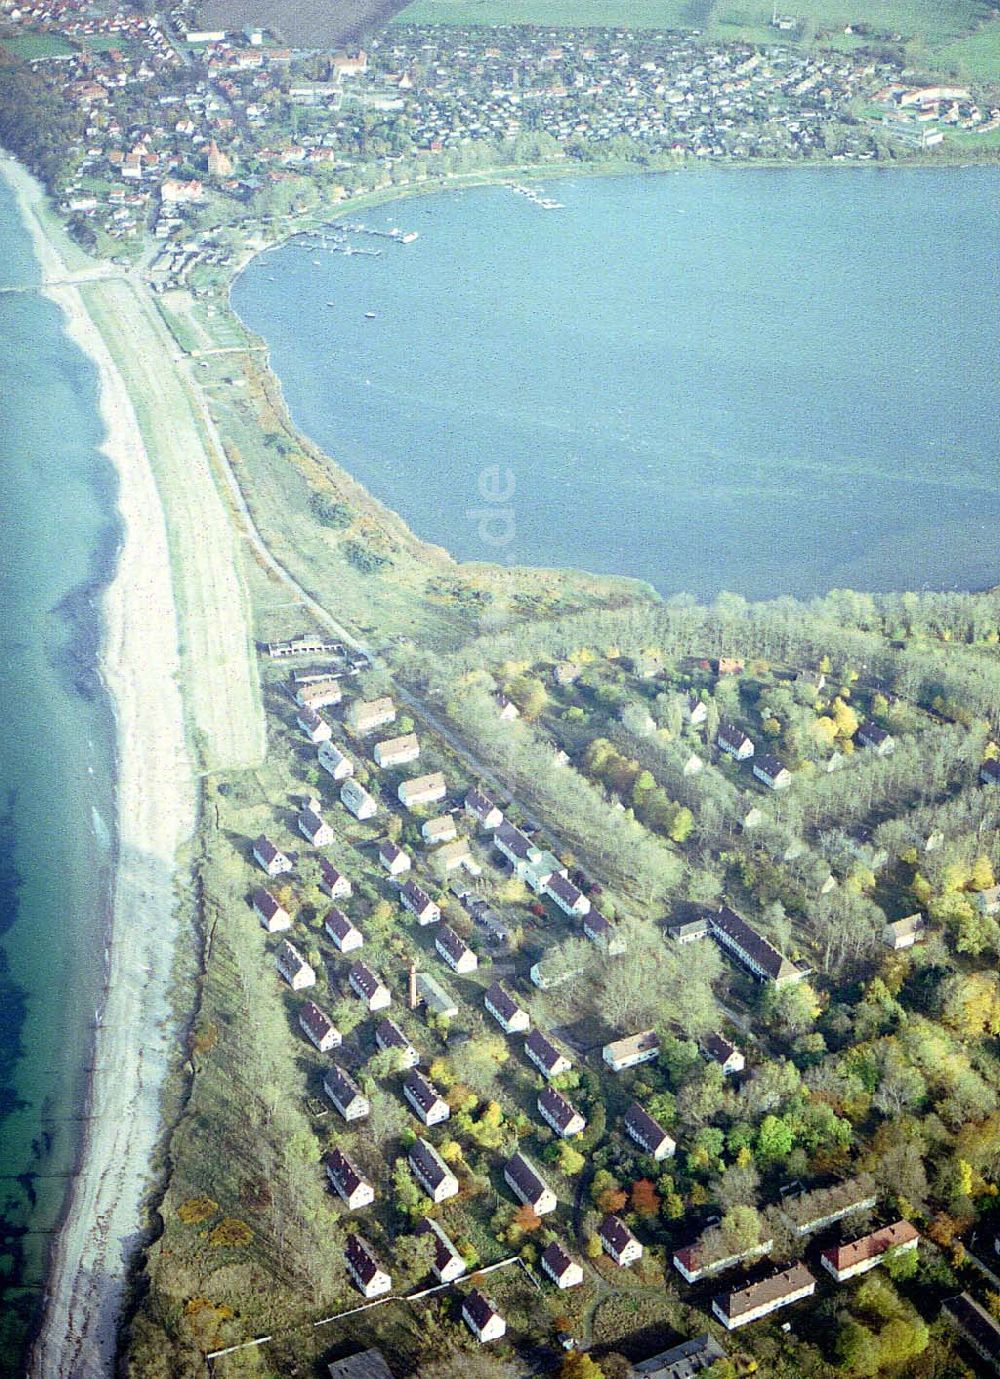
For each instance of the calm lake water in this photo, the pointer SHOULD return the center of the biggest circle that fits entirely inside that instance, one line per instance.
(57, 542)
(769, 381)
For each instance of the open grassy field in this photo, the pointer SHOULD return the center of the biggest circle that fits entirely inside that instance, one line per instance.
(960, 37)
(224, 699)
(30, 47)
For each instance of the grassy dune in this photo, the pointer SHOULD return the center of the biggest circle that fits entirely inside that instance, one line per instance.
(224, 706)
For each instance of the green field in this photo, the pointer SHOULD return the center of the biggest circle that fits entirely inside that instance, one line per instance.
(29, 47)
(962, 37)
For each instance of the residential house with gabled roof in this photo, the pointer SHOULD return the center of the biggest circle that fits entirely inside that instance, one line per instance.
(393, 858)
(549, 1061)
(694, 710)
(333, 882)
(366, 1364)
(439, 830)
(312, 723)
(706, 1256)
(388, 1035)
(271, 913)
(530, 863)
(648, 1133)
(396, 751)
(356, 799)
(528, 1185)
(365, 715)
(415, 899)
(904, 933)
(482, 1318)
(345, 1094)
(447, 1264)
(431, 1171)
(270, 858)
(683, 1361)
(369, 988)
(426, 1101)
(314, 827)
(989, 773)
(481, 808)
(752, 950)
(980, 1330)
(319, 694)
(333, 760)
(511, 843)
(364, 1268)
(454, 950)
(771, 772)
(618, 1241)
(458, 853)
(559, 1114)
(689, 930)
(876, 739)
(293, 966)
(858, 1256)
(560, 1266)
(342, 931)
(734, 742)
(350, 1185)
(718, 1049)
(631, 1051)
(422, 790)
(745, 1305)
(569, 898)
(816, 1208)
(505, 1010)
(599, 929)
(438, 1000)
(319, 1028)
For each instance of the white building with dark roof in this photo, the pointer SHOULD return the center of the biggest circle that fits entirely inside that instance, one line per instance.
(560, 1266)
(363, 1265)
(346, 1180)
(345, 1094)
(333, 882)
(431, 1171)
(448, 1264)
(368, 987)
(482, 1318)
(569, 898)
(559, 1114)
(648, 1133)
(342, 931)
(414, 898)
(541, 1051)
(528, 1185)
(388, 1035)
(269, 857)
(293, 966)
(319, 1028)
(505, 1010)
(752, 950)
(481, 808)
(454, 950)
(271, 913)
(618, 1242)
(314, 827)
(427, 1103)
(393, 858)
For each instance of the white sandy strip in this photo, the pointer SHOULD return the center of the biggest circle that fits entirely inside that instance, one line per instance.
(156, 815)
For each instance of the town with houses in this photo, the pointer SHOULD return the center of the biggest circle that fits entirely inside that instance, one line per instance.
(432, 939)
(188, 136)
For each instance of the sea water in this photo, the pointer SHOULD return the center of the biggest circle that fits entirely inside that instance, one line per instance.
(772, 381)
(58, 539)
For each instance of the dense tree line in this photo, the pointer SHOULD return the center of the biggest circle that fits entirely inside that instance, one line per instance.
(36, 124)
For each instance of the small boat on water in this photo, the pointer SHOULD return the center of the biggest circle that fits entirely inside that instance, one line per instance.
(331, 303)
(409, 237)
(369, 315)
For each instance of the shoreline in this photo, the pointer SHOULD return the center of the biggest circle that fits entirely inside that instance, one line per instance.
(155, 807)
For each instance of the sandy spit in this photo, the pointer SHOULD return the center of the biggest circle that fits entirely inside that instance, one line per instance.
(155, 816)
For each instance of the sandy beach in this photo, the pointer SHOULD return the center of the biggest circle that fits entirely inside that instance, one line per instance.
(155, 816)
